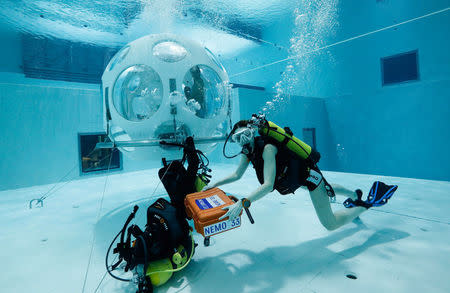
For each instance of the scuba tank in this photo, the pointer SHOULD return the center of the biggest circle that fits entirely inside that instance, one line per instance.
(286, 137)
(201, 181)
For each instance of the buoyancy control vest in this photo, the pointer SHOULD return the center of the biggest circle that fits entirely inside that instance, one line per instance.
(164, 232)
(291, 170)
(166, 225)
(179, 181)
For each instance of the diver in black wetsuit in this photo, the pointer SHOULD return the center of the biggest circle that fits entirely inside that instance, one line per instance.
(278, 168)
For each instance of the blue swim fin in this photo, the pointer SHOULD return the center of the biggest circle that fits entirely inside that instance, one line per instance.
(379, 195)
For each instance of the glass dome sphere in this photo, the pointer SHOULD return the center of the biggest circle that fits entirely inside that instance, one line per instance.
(138, 93)
(204, 91)
(169, 51)
(214, 59)
(119, 57)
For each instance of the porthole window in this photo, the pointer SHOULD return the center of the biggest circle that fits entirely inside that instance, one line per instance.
(169, 51)
(138, 93)
(204, 91)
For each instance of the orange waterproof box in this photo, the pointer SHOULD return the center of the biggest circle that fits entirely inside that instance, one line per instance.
(205, 208)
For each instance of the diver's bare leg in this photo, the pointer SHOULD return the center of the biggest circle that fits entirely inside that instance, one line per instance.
(344, 191)
(329, 219)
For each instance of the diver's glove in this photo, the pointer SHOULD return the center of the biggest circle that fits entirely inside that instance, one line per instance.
(234, 210)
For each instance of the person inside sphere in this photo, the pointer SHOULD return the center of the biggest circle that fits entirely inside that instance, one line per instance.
(197, 91)
(278, 168)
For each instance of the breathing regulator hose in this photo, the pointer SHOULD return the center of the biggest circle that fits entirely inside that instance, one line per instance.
(242, 123)
(108, 269)
(255, 122)
(121, 244)
(225, 144)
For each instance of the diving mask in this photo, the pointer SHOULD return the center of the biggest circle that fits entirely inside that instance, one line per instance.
(243, 136)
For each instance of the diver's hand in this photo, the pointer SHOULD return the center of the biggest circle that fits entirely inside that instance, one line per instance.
(233, 210)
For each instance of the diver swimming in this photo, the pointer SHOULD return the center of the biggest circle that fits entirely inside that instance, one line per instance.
(284, 163)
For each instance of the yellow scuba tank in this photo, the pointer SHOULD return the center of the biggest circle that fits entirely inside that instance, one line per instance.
(286, 137)
(160, 271)
(200, 182)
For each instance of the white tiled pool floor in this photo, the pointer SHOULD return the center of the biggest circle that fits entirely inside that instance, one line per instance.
(401, 247)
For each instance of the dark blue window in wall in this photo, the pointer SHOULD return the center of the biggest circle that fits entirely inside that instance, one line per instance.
(92, 159)
(309, 137)
(400, 68)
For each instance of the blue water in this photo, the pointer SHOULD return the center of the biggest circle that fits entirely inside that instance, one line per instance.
(366, 83)
(55, 53)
